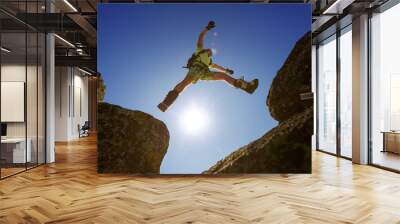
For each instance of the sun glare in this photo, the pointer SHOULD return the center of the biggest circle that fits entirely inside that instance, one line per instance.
(194, 120)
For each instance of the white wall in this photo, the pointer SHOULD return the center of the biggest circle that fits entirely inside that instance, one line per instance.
(33, 127)
(12, 73)
(16, 73)
(71, 102)
(62, 81)
(80, 109)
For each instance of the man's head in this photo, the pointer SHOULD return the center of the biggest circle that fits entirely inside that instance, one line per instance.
(209, 52)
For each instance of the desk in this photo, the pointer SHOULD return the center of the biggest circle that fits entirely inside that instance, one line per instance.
(14, 150)
(391, 141)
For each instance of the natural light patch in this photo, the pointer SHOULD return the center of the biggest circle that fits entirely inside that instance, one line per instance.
(194, 120)
(214, 51)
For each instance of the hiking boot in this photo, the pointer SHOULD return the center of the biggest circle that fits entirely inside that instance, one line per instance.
(249, 87)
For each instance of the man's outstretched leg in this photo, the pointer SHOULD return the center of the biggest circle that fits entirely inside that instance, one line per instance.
(173, 94)
(249, 87)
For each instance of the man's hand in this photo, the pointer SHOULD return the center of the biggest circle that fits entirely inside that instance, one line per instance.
(210, 25)
(229, 71)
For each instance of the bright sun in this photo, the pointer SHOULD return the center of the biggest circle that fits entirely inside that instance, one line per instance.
(194, 120)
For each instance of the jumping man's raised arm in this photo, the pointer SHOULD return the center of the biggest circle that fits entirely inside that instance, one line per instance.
(200, 40)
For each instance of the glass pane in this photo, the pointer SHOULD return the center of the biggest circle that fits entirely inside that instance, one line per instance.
(346, 93)
(327, 95)
(13, 76)
(41, 98)
(385, 89)
(31, 97)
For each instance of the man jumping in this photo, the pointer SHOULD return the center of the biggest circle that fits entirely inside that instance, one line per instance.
(199, 69)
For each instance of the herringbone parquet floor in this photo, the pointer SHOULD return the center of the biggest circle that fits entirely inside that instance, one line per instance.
(70, 191)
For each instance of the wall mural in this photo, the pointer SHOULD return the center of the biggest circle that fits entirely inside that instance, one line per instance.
(205, 88)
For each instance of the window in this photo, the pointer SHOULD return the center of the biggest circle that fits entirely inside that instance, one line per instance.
(22, 88)
(327, 95)
(346, 92)
(385, 89)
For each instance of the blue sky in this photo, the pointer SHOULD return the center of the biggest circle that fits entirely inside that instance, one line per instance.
(141, 51)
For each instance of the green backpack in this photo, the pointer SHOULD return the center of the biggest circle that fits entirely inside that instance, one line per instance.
(193, 58)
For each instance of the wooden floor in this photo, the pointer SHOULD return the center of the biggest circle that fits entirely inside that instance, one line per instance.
(70, 191)
(5, 172)
(387, 159)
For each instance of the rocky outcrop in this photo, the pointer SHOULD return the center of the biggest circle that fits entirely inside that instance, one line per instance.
(284, 149)
(292, 79)
(129, 141)
(287, 147)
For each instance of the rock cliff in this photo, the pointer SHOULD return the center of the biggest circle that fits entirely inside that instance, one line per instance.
(292, 79)
(287, 147)
(129, 141)
(284, 149)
